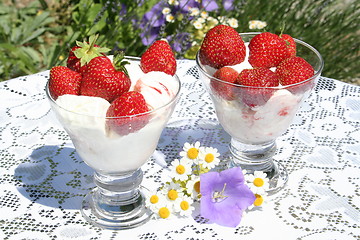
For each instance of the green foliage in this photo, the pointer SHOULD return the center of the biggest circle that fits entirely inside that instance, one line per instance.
(21, 32)
(39, 36)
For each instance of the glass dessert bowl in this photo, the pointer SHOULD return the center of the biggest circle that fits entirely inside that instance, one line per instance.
(116, 148)
(255, 117)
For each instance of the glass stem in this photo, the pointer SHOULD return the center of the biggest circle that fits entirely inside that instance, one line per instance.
(253, 157)
(118, 194)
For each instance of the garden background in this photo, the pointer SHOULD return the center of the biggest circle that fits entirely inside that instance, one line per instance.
(37, 34)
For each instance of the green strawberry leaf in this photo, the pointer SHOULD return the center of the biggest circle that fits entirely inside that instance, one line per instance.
(88, 51)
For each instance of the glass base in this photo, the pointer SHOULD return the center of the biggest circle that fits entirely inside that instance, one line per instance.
(259, 158)
(114, 204)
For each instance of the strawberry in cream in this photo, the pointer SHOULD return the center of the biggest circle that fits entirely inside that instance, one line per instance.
(116, 110)
(256, 103)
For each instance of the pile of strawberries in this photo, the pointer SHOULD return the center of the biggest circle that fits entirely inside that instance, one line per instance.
(223, 47)
(90, 72)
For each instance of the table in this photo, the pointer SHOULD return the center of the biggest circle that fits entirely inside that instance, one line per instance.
(42, 179)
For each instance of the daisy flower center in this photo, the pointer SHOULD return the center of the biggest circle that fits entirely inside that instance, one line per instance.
(259, 200)
(173, 194)
(164, 212)
(193, 153)
(197, 186)
(184, 205)
(258, 182)
(154, 199)
(209, 157)
(180, 169)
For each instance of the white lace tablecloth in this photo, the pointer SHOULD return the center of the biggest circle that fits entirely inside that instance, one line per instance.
(43, 180)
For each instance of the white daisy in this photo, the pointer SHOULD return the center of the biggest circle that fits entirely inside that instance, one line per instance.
(193, 186)
(204, 14)
(166, 11)
(155, 199)
(194, 11)
(257, 182)
(212, 20)
(259, 201)
(201, 20)
(173, 2)
(191, 152)
(257, 24)
(197, 25)
(183, 206)
(164, 211)
(233, 22)
(172, 191)
(170, 18)
(261, 25)
(180, 169)
(208, 157)
(222, 19)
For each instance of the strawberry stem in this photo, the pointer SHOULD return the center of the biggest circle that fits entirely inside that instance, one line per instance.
(119, 62)
(282, 28)
(87, 50)
(92, 40)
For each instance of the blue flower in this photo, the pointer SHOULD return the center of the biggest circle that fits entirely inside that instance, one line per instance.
(228, 5)
(224, 196)
(210, 5)
(153, 22)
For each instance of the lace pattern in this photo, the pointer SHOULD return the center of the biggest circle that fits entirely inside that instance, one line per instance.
(43, 180)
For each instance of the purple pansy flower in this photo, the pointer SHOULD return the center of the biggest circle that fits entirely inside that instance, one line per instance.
(224, 196)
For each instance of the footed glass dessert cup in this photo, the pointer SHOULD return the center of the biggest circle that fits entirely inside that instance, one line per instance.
(118, 200)
(255, 117)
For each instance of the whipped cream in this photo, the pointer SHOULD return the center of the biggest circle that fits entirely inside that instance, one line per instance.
(77, 111)
(259, 124)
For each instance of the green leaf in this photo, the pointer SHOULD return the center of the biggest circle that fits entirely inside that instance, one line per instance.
(33, 35)
(31, 53)
(15, 35)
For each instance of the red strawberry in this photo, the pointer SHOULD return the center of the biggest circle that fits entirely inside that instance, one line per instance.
(226, 74)
(258, 78)
(295, 70)
(267, 50)
(290, 44)
(101, 79)
(73, 62)
(64, 81)
(82, 53)
(159, 57)
(128, 104)
(222, 46)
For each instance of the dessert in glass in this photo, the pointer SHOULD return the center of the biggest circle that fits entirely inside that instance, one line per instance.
(116, 147)
(255, 116)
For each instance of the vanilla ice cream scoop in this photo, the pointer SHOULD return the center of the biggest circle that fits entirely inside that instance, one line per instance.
(158, 88)
(75, 110)
(86, 105)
